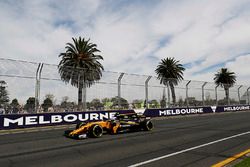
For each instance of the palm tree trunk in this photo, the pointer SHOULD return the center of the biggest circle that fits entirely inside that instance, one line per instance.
(227, 95)
(84, 104)
(80, 96)
(172, 92)
(168, 95)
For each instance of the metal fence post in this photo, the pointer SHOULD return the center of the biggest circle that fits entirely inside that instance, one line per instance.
(37, 86)
(203, 102)
(146, 90)
(187, 93)
(39, 82)
(248, 99)
(119, 89)
(40, 75)
(239, 92)
(216, 95)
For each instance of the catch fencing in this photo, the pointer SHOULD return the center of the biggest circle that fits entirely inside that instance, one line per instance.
(38, 87)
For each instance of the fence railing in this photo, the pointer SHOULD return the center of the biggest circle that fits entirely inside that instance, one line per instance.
(38, 87)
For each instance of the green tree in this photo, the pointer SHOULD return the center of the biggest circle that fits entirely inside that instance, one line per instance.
(107, 103)
(106, 100)
(181, 102)
(30, 105)
(51, 97)
(225, 79)
(88, 105)
(80, 66)
(47, 103)
(96, 103)
(15, 106)
(170, 73)
(66, 104)
(163, 102)
(137, 103)
(154, 104)
(4, 98)
(123, 102)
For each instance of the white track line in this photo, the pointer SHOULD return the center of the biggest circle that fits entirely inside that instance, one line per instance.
(186, 150)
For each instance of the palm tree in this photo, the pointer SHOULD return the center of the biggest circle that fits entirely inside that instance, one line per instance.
(170, 73)
(225, 79)
(80, 66)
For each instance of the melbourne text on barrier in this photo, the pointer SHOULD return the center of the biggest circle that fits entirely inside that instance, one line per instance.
(182, 111)
(57, 119)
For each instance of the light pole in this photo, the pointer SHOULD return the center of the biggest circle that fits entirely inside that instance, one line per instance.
(146, 90)
(239, 92)
(119, 89)
(187, 92)
(203, 102)
(216, 95)
(248, 100)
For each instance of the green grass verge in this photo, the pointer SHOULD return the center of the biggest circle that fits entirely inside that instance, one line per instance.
(244, 163)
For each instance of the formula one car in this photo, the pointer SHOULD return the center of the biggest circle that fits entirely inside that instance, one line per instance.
(122, 123)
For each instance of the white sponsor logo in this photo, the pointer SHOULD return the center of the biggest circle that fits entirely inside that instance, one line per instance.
(236, 108)
(182, 111)
(139, 111)
(214, 108)
(41, 119)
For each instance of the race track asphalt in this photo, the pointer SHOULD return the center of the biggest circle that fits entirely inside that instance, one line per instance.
(52, 149)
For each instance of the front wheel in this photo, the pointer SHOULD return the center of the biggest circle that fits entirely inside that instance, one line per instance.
(95, 131)
(147, 125)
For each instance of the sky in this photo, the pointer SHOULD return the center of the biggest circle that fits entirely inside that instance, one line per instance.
(133, 35)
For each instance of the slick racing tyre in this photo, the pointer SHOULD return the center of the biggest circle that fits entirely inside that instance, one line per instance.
(95, 131)
(147, 125)
(78, 125)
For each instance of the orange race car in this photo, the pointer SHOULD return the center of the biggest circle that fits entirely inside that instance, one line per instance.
(122, 123)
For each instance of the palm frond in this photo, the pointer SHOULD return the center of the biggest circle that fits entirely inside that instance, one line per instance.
(169, 70)
(80, 64)
(225, 78)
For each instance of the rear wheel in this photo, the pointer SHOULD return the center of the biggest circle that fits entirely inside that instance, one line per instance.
(95, 131)
(80, 125)
(147, 125)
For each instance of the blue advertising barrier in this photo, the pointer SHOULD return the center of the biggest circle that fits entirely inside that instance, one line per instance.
(193, 110)
(233, 108)
(15, 121)
(177, 111)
